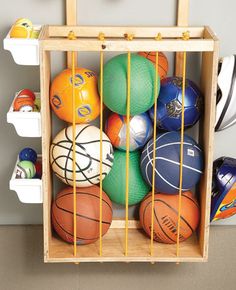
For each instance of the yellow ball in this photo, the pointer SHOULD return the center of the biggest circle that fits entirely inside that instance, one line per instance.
(22, 28)
(24, 22)
(87, 103)
(19, 32)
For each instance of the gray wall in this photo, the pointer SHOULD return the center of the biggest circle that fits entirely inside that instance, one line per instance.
(113, 12)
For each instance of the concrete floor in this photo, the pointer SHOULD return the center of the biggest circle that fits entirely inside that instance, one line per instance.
(22, 267)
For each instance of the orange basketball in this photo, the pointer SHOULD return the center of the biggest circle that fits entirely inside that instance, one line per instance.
(87, 104)
(162, 61)
(23, 104)
(88, 210)
(166, 216)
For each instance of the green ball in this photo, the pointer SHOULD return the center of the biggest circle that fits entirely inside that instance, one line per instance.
(142, 84)
(114, 182)
(25, 169)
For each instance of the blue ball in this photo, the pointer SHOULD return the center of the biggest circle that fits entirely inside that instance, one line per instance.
(167, 166)
(28, 154)
(169, 105)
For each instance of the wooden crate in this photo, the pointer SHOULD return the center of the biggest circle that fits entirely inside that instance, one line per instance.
(203, 40)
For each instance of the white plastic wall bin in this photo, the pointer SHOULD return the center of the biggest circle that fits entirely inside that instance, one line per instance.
(25, 51)
(27, 124)
(28, 190)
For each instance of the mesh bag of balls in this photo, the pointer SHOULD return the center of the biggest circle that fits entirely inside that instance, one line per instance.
(29, 165)
(113, 159)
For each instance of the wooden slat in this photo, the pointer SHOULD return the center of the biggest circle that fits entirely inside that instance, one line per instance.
(44, 33)
(46, 141)
(183, 12)
(113, 249)
(209, 34)
(209, 88)
(119, 31)
(71, 20)
(120, 224)
(122, 45)
(182, 20)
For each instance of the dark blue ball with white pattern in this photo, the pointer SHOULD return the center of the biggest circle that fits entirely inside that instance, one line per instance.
(28, 154)
(169, 105)
(167, 166)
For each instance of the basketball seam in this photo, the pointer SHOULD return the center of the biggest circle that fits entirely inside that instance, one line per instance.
(69, 170)
(177, 163)
(77, 152)
(166, 181)
(69, 151)
(68, 193)
(151, 143)
(161, 226)
(191, 199)
(174, 210)
(80, 215)
(156, 220)
(94, 141)
(79, 180)
(166, 145)
(77, 237)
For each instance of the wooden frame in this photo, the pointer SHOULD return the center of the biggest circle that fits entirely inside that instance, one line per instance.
(182, 21)
(203, 41)
(71, 19)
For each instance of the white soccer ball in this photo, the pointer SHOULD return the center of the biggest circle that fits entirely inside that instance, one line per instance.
(87, 155)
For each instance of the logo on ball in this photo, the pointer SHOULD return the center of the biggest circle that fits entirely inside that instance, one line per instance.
(228, 206)
(56, 102)
(174, 108)
(178, 82)
(84, 111)
(79, 80)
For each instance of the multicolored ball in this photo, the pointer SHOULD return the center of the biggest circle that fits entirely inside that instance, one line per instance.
(141, 130)
(25, 169)
(23, 104)
(26, 93)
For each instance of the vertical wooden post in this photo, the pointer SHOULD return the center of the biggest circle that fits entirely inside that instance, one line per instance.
(71, 19)
(182, 20)
(209, 74)
(45, 67)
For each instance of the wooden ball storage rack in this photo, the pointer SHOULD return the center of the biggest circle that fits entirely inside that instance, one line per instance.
(203, 41)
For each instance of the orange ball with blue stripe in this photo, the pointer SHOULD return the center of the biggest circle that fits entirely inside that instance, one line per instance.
(87, 103)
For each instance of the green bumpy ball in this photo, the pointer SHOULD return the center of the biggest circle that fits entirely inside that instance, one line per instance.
(114, 182)
(142, 84)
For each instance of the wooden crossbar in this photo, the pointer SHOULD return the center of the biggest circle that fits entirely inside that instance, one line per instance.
(91, 45)
(119, 31)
